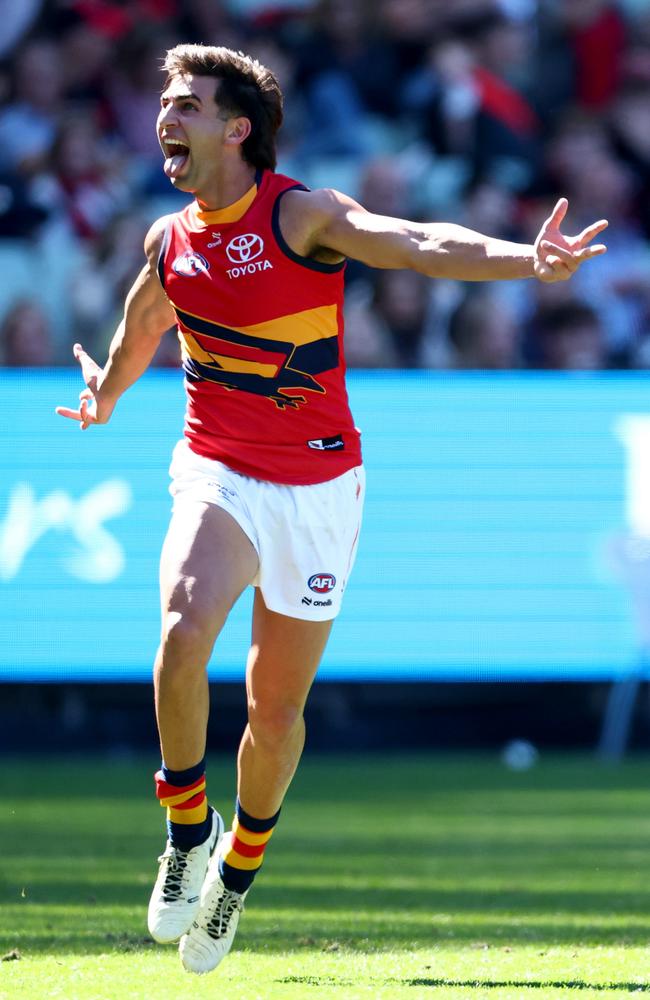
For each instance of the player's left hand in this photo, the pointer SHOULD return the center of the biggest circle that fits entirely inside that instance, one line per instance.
(557, 256)
(92, 409)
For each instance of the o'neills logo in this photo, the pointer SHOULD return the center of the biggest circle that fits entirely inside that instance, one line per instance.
(243, 251)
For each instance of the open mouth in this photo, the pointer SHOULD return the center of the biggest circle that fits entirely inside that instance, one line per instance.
(176, 156)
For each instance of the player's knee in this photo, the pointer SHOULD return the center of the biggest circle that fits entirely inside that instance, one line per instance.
(272, 724)
(186, 640)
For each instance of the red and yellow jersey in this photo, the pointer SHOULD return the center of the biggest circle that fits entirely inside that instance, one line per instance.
(261, 332)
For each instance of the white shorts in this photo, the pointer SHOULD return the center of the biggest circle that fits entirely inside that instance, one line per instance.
(305, 537)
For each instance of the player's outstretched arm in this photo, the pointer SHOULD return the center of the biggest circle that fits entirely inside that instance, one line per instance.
(329, 222)
(147, 315)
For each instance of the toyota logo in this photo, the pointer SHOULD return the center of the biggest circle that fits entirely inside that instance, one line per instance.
(244, 248)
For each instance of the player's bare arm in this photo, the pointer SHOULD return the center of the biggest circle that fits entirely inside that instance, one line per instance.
(328, 225)
(147, 315)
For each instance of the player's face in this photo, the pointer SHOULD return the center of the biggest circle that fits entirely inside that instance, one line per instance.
(190, 132)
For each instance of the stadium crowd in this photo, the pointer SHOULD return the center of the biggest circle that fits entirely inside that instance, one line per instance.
(475, 111)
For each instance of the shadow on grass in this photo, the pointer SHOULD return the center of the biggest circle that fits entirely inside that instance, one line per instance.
(131, 889)
(449, 850)
(573, 984)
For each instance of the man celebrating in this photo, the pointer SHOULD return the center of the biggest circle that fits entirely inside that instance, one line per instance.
(268, 481)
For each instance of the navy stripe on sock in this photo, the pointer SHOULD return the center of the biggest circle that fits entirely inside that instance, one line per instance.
(189, 835)
(255, 825)
(186, 777)
(236, 879)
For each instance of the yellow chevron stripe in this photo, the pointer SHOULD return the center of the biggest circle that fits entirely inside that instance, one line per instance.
(237, 861)
(252, 839)
(191, 348)
(175, 800)
(185, 816)
(250, 367)
(297, 328)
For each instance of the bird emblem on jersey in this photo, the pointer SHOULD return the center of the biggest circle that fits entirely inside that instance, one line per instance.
(256, 359)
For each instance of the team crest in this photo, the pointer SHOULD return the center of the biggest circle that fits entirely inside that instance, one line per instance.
(190, 264)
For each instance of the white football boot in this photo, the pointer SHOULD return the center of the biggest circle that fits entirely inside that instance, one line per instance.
(176, 896)
(211, 935)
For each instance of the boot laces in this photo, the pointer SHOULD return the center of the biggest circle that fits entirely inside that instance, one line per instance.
(175, 862)
(227, 904)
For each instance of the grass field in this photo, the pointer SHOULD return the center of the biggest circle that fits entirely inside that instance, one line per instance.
(401, 877)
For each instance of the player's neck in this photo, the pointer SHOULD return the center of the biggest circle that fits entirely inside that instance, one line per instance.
(227, 188)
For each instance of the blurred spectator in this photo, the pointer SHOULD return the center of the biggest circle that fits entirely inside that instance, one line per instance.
(29, 122)
(84, 182)
(629, 122)
(569, 337)
(210, 21)
(17, 16)
(484, 333)
(367, 341)
(389, 321)
(346, 74)
(99, 285)
(402, 305)
(596, 35)
(408, 28)
(576, 139)
(116, 19)
(25, 336)
(581, 162)
(471, 101)
(134, 98)
(618, 284)
(87, 56)
(489, 207)
(20, 213)
(385, 187)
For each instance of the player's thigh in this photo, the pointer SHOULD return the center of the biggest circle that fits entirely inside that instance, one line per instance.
(207, 560)
(284, 657)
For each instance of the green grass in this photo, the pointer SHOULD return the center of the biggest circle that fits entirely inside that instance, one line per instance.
(402, 877)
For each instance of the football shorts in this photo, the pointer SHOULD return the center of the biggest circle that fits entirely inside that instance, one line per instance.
(306, 537)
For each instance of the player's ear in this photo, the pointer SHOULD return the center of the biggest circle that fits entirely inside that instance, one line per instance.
(237, 131)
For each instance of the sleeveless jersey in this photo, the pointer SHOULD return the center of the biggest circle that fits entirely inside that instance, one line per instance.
(261, 332)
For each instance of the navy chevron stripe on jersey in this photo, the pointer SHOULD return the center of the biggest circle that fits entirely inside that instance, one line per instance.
(319, 355)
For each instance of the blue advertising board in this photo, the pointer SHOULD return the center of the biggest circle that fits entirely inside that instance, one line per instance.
(506, 533)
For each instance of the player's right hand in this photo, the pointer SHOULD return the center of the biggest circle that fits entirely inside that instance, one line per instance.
(91, 408)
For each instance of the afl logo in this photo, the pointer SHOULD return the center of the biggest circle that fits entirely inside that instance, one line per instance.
(190, 263)
(321, 583)
(244, 248)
